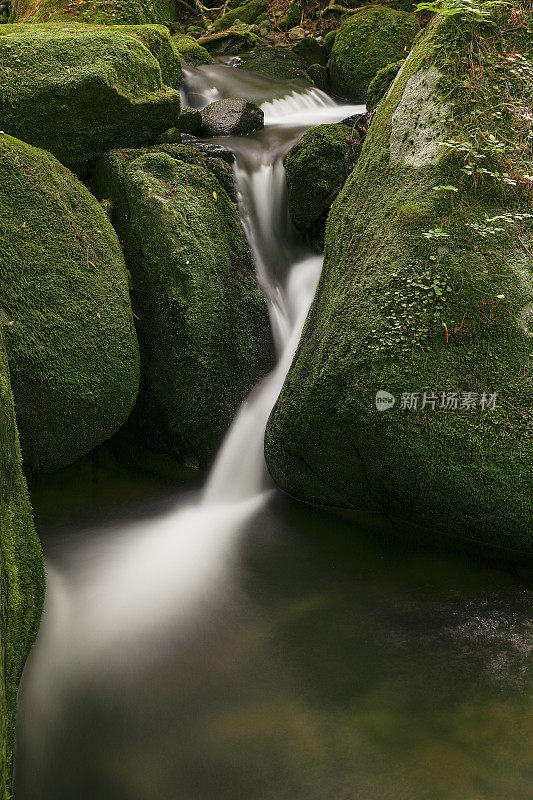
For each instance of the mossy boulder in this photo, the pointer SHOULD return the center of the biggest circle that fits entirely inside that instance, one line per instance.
(77, 90)
(367, 42)
(320, 77)
(64, 302)
(247, 13)
(191, 51)
(100, 12)
(329, 41)
(426, 295)
(276, 63)
(309, 51)
(317, 167)
(202, 320)
(22, 584)
(380, 85)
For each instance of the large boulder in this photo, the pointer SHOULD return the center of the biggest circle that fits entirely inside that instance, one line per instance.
(78, 90)
(202, 320)
(412, 390)
(367, 42)
(231, 117)
(64, 303)
(317, 167)
(379, 86)
(22, 584)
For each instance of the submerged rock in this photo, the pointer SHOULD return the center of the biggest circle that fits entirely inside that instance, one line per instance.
(64, 302)
(77, 90)
(412, 390)
(368, 41)
(231, 117)
(317, 167)
(202, 320)
(22, 585)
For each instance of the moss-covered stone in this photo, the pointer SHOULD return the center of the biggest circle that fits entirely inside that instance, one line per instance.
(64, 302)
(273, 62)
(98, 12)
(329, 41)
(379, 85)
(367, 42)
(423, 291)
(320, 77)
(21, 573)
(247, 13)
(317, 167)
(77, 90)
(191, 51)
(202, 319)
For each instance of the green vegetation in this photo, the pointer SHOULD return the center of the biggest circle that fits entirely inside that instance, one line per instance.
(427, 287)
(379, 85)
(291, 18)
(77, 90)
(367, 42)
(98, 12)
(22, 584)
(247, 13)
(65, 310)
(191, 51)
(317, 167)
(201, 319)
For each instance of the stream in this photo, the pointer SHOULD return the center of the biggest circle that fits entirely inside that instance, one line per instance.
(225, 642)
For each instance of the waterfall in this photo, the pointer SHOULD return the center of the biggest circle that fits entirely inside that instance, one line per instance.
(123, 590)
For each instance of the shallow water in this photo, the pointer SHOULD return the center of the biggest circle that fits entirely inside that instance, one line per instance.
(221, 641)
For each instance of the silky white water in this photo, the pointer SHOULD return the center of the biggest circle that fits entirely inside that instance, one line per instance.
(123, 590)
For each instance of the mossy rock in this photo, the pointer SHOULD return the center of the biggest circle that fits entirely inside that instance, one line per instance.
(246, 13)
(22, 584)
(317, 167)
(77, 90)
(202, 320)
(320, 77)
(367, 42)
(329, 41)
(64, 302)
(380, 85)
(421, 293)
(191, 51)
(276, 63)
(291, 18)
(99, 12)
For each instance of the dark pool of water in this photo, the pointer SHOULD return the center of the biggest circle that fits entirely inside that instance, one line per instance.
(338, 665)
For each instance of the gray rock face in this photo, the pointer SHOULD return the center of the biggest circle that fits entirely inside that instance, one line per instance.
(418, 124)
(231, 117)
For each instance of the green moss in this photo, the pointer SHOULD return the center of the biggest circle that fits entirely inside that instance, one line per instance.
(77, 90)
(317, 167)
(98, 12)
(191, 51)
(367, 42)
(329, 41)
(379, 85)
(202, 320)
(64, 300)
(401, 312)
(246, 13)
(273, 62)
(22, 584)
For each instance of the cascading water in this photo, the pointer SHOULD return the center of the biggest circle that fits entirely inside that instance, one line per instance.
(213, 652)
